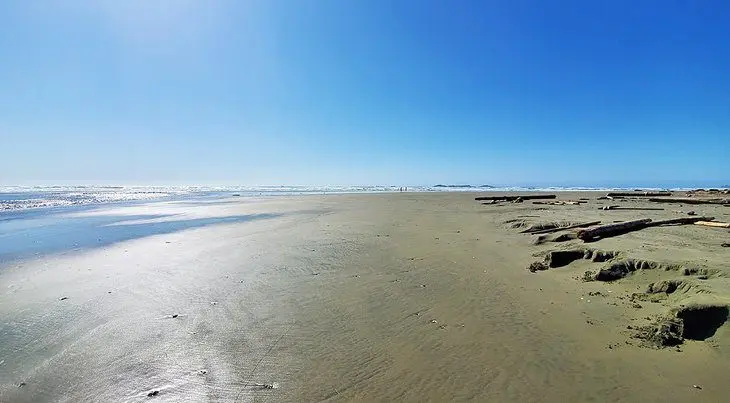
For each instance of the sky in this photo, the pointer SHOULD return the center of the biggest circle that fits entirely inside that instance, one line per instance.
(368, 92)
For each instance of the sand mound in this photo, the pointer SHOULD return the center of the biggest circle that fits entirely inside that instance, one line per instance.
(515, 223)
(667, 286)
(623, 268)
(560, 258)
(549, 226)
(564, 237)
(526, 226)
(603, 256)
(537, 266)
(696, 271)
(665, 332)
(695, 322)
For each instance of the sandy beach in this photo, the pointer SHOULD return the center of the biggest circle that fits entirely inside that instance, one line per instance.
(372, 297)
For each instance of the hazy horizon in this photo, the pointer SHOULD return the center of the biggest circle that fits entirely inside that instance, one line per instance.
(657, 184)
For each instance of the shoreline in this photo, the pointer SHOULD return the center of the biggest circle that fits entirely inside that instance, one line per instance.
(15, 199)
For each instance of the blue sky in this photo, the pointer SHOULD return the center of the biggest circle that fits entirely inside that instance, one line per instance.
(364, 92)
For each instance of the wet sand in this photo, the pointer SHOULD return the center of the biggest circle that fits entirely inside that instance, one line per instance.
(397, 297)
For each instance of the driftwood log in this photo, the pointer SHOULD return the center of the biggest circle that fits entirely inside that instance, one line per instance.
(689, 200)
(556, 229)
(645, 194)
(512, 197)
(612, 229)
(679, 221)
(561, 202)
(609, 230)
(631, 208)
(713, 224)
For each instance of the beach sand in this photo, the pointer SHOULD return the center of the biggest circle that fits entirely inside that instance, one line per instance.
(372, 297)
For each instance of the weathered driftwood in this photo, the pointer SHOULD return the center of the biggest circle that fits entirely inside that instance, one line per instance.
(628, 226)
(513, 197)
(612, 229)
(713, 224)
(631, 208)
(556, 229)
(638, 193)
(561, 202)
(679, 221)
(689, 200)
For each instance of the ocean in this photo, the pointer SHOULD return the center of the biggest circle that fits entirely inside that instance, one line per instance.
(14, 198)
